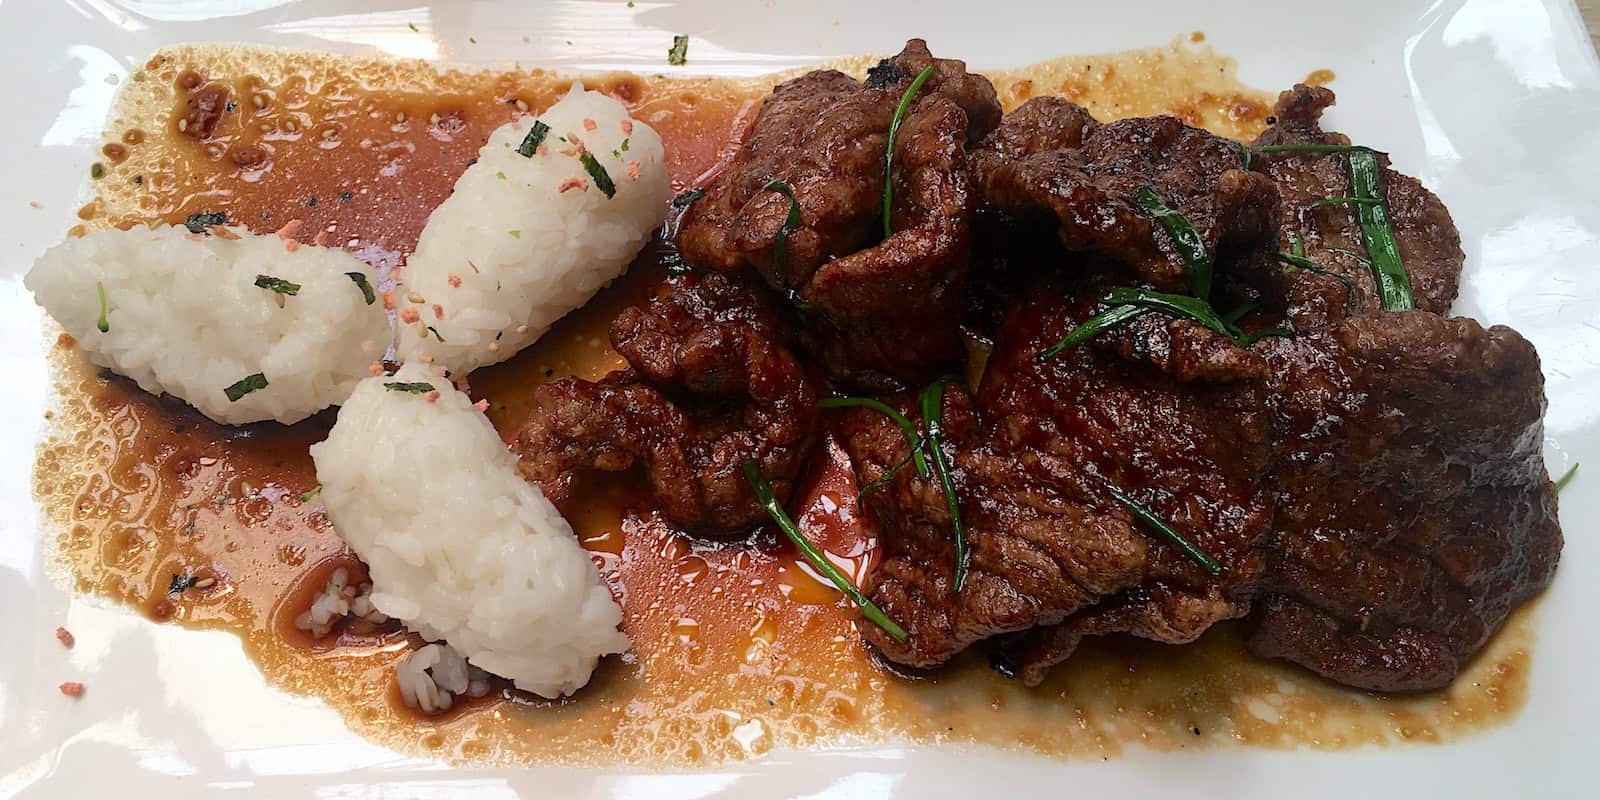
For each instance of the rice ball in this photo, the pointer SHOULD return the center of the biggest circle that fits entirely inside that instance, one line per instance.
(459, 546)
(553, 210)
(240, 326)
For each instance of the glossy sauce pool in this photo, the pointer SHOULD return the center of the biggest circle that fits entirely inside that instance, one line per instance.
(737, 648)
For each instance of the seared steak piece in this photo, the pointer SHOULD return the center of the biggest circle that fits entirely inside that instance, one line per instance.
(1163, 410)
(1430, 247)
(1414, 511)
(879, 312)
(1050, 159)
(712, 383)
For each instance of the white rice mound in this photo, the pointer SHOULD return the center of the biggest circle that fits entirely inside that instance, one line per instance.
(460, 547)
(185, 317)
(509, 253)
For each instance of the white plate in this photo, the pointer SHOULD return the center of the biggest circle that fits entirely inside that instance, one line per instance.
(1495, 104)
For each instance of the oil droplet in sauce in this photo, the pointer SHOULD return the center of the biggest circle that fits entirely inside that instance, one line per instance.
(739, 647)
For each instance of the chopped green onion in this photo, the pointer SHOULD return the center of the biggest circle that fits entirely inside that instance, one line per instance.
(413, 27)
(916, 452)
(306, 497)
(1094, 326)
(278, 285)
(364, 285)
(931, 401)
(515, 233)
(1145, 515)
(1244, 153)
(679, 54)
(814, 557)
(244, 386)
(1338, 201)
(780, 243)
(686, 198)
(1297, 246)
(888, 159)
(435, 332)
(202, 223)
(1394, 286)
(1301, 262)
(1173, 305)
(602, 179)
(97, 170)
(1188, 241)
(530, 143)
(418, 387)
(1566, 478)
(1313, 148)
(101, 323)
(1233, 317)
(906, 425)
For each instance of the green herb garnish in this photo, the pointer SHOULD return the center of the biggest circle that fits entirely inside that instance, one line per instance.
(418, 387)
(364, 285)
(814, 557)
(1092, 327)
(101, 323)
(1394, 285)
(931, 401)
(888, 158)
(679, 54)
(1566, 478)
(278, 285)
(97, 170)
(1173, 305)
(1184, 236)
(514, 233)
(907, 427)
(413, 27)
(1312, 148)
(244, 386)
(306, 497)
(602, 179)
(1149, 518)
(180, 583)
(1244, 153)
(780, 243)
(435, 332)
(530, 143)
(203, 222)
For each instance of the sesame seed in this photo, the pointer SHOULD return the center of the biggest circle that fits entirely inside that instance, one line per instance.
(400, 117)
(522, 329)
(183, 125)
(425, 358)
(258, 101)
(522, 105)
(433, 119)
(266, 128)
(494, 347)
(329, 133)
(205, 583)
(416, 298)
(290, 126)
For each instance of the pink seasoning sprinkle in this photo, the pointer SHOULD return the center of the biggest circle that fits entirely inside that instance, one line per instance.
(578, 143)
(195, 237)
(321, 239)
(72, 689)
(589, 124)
(633, 170)
(438, 311)
(64, 636)
(288, 231)
(223, 233)
(291, 245)
(627, 126)
(573, 183)
(375, 368)
(388, 301)
(544, 149)
(454, 281)
(432, 397)
(409, 315)
(481, 405)
(35, 204)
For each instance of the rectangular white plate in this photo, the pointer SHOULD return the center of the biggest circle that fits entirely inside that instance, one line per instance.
(1495, 104)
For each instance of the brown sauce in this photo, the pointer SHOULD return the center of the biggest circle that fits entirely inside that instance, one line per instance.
(737, 648)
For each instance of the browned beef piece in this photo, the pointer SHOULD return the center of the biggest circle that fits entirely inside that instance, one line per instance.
(879, 312)
(712, 383)
(1166, 411)
(1430, 247)
(1414, 511)
(1050, 159)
